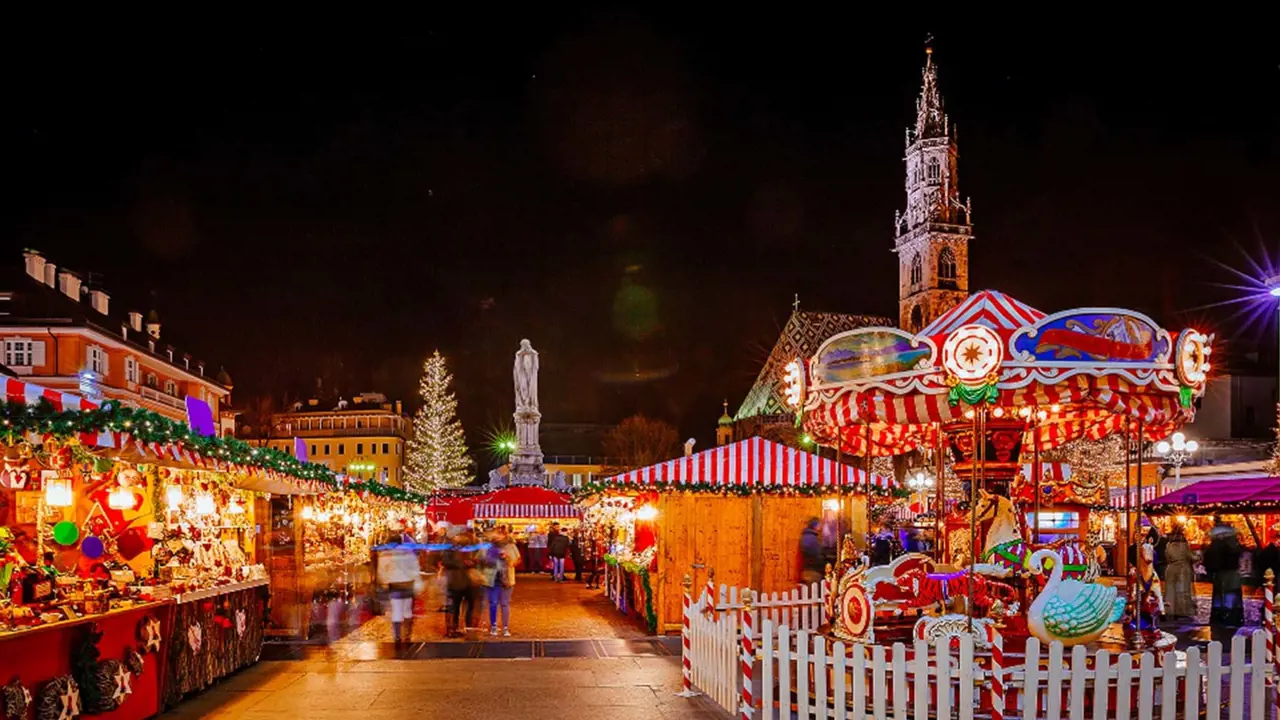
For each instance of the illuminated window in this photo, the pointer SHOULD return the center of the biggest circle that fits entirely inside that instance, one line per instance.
(935, 169)
(917, 270)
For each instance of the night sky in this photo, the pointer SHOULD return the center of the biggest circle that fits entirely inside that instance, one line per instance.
(641, 196)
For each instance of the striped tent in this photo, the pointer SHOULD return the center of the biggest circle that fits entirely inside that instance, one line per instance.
(538, 503)
(17, 391)
(990, 308)
(756, 462)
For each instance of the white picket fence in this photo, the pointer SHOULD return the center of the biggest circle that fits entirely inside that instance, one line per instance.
(796, 673)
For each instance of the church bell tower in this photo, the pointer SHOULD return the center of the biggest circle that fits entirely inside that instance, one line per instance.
(934, 232)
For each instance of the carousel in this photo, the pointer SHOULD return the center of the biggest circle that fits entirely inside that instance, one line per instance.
(976, 397)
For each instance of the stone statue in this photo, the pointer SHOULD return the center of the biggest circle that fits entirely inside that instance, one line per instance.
(526, 377)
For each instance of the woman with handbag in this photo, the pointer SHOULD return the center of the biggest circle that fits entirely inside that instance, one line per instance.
(463, 579)
(500, 577)
(399, 572)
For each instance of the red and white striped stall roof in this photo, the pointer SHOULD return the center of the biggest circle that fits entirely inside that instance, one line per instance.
(1149, 493)
(990, 308)
(24, 392)
(754, 461)
(537, 503)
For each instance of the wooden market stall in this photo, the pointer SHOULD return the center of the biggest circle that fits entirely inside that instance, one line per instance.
(738, 509)
(1247, 503)
(525, 509)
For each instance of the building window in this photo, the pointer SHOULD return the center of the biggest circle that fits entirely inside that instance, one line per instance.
(947, 268)
(131, 370)
(917, 270)
(326, 449)
(153, 382)
(935, 169)
(23, 353)
(313, 449)
(359, 448)
(917, 319)
(342, 448)
(98, 360)
(171, 388)
(384, 449)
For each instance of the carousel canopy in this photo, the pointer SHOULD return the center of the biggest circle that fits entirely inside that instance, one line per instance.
(522, 502)
(751, 463)
(1073, 374)
(1210, 497)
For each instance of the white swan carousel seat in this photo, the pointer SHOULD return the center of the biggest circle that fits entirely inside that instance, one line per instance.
(1069, 611)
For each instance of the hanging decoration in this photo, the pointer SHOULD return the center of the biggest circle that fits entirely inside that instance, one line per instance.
(92, 547)
(17, 698)
(195, 637)
(66, 533)
(240, 622)
(134, 661)
(59, 699)
(149, 634)
(971, 355)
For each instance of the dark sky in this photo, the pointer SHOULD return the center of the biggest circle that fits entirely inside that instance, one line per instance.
(638, 195)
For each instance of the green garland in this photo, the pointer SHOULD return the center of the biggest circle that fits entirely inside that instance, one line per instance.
(17, 419)
(650, 617)
(597, 487)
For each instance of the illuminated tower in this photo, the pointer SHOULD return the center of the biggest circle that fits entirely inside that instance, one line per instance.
(934, 232)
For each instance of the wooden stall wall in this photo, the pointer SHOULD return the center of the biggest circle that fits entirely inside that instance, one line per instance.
(748, 541)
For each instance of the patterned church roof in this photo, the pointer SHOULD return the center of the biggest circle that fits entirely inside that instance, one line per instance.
(800, 338)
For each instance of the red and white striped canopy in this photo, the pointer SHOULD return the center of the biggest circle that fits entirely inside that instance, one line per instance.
(518, 502)
(1149, 493)
(754, 461)
(24, 392)
(990, 308)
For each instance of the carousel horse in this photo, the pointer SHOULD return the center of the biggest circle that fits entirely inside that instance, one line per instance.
(1149, 591)
(1004, 542)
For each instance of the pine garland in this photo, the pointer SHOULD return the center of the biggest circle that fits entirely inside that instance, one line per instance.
(437, 455)
(18, 419)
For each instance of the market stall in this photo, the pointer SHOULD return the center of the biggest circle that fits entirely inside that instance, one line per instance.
(130, 550)
(528, 510)
(1249, 504)
(738, 509)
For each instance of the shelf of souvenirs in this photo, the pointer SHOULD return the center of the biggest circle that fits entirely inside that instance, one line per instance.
(38, 599)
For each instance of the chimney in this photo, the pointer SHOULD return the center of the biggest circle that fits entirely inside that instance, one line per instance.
(169, 349)
(200, 367)
(69, 284)
(100, 301)
(135, 321)
(35, 264)
(186, 361)
(153, 324)
(124, 330)
(397, 407)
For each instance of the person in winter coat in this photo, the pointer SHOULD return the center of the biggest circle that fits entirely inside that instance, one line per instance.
(575, 553)
(399, 572)
(1178, 576)
(1222, 560)
(558, 549)
(503, 557)
(461, 566)
(811, 565)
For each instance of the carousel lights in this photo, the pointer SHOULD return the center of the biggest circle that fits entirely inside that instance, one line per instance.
(969, 414)
(794, 380)
(998, 411)
(323, 516)
(1025, 411)
(235, 508)
(57, 493)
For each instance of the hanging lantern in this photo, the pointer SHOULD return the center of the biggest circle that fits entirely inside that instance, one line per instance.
(120, 498)
(205, 504)
(57, 492)
(173, 496)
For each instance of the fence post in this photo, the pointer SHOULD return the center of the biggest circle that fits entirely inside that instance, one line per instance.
(710, 593)
(997, 673)
(1269, 623)
(686, 643)
(748, 657)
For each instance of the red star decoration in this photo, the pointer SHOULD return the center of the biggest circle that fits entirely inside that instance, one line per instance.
(972, 353)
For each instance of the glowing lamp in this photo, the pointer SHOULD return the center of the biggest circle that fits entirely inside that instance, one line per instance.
(205, 504)
(57, 493)
(1274, 291)
(1042, 415)
(794, 380)
(1025, 412)
(968, 414)
(307, 513)
(998, 412)
(1055, 408)
(120, 499)
(173, 496)
(831, 504)
(646, 513)
(1163, 447)
(1182, 519)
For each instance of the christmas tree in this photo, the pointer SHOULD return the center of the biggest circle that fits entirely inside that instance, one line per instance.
(437, 455)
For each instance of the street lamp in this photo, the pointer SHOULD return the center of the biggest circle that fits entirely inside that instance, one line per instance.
(1177, 452)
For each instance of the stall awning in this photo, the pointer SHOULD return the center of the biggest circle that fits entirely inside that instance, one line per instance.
(17, 391)
(753, 462)
(1209, 497)
(526, 502)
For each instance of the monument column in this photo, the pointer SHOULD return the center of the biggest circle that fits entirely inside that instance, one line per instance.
(526, 461)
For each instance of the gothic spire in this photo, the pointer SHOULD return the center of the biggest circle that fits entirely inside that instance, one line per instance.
(930, 120)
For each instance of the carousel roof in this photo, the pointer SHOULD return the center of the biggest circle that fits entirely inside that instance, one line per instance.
(989, 308)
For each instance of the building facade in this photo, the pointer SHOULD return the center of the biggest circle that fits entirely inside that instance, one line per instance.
(364, 437)
(63, 334)
(935, 230)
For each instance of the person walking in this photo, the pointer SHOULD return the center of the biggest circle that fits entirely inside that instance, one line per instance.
(558, 549)
(575, 553)
(810, 553)
(593, 557)
(503, 557)
(1222, 561)
(461, 567)
(537, 550)
(1178, 578)
(399, 572)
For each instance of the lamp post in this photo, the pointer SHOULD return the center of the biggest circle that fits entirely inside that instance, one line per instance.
(921, 481)
(1177, 450)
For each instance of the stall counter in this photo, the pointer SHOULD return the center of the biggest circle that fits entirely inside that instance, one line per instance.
(214, 633)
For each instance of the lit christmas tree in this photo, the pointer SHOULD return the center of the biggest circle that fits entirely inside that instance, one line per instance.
(437, 455)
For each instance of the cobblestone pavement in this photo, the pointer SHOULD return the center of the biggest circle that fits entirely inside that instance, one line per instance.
(621, 688)
(540, 609)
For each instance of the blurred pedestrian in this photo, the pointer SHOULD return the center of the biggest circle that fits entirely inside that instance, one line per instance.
(462, 574)
(810, 553)
(1178, 579)
(575, 553)
(558, 549)
(398, 570)
(1222, 560)
(537, 549)
(503, 557)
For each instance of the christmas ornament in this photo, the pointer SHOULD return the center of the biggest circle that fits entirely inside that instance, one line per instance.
(66, 533)
(195, 637)
(59, 700)
(241, 620)
(16, 700)
(149, 634)
(91, 547)
(134, 661)
(121, 681)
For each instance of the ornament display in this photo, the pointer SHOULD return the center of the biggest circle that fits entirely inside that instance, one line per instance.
(59, 700)
(149, 634)
(241, 620)
(971, 353)
(91, 547)
(66, 533)
(134, 661)
(195, 637)
(16, 700)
